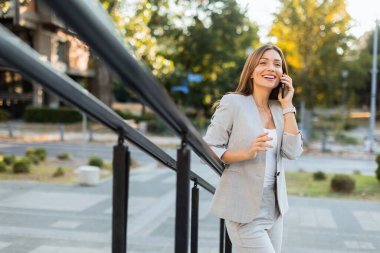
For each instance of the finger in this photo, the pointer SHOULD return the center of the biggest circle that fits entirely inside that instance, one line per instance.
(287, 83)
(264, 145)
(286, 77)
(264, 139)
(261, 149)
(261, 135)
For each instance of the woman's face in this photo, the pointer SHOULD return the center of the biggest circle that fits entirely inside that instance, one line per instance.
(269, 70)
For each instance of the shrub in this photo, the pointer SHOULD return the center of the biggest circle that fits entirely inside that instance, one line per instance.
(3, 166)
(95, 161)
(9, 159)
(59, 172)
(200, 123)
(342, 183)
(4, 115)
(34, 159)
(29, 152)
(344, 139)
(378, 167)
(125, 114)
(41, 153)
(52, 115)
(144, 117)
(319, 176)
(22, 166)
(63, 156)
(38, 153)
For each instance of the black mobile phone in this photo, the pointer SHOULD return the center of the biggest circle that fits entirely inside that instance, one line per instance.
(282, 90)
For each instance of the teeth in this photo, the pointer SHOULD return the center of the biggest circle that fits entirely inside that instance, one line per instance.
(271, 77)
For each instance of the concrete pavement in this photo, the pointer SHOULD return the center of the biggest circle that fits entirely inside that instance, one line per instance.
(46, 218)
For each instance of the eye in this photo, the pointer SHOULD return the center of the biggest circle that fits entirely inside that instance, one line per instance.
(262, 63)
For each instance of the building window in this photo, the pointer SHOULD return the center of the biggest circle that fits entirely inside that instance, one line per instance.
(63, 52)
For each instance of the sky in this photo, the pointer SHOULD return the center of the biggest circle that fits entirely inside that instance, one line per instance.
(363, 12)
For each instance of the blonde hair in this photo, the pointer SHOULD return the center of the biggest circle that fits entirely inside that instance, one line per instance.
(245, 86)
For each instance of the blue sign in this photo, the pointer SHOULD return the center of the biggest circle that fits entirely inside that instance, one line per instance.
(194, 78)
(184, 88)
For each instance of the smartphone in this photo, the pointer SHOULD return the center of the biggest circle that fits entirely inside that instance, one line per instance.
(282, 90)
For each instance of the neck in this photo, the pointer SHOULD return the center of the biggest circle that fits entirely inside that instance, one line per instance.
(261, 97)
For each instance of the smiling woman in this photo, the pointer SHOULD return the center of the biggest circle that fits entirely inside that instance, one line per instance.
(252, 130)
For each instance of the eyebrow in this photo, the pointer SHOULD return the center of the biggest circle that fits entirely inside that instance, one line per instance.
(268, 59)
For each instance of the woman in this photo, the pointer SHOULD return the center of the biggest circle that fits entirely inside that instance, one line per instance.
(251, 131)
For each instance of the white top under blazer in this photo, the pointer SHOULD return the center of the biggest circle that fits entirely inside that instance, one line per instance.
(234, 125)
(270, 159)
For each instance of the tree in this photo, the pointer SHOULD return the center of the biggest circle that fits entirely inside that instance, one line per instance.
(133, 27)
(359, 64)
(313, 36)
(210, 38)
(215, 45)
(6, 6)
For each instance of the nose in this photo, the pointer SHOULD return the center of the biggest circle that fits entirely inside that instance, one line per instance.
(271, 67)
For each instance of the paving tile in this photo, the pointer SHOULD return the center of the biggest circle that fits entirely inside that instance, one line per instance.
(4, 244)
(369, 221)
(66, 224)
(57, 201)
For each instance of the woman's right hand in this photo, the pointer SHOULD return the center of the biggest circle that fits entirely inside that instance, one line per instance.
(259, 145)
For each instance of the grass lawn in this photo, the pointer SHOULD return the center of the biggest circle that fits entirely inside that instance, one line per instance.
(303, 184)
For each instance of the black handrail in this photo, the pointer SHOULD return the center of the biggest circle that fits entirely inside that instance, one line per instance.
(102, 38)
(20, 56)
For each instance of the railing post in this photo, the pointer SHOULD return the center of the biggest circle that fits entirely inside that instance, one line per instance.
(10, 129)
(194, 217)
(228, 245)
(225, 245)
(91, 134)
(121, 161)
(182, 199)
(62, 132)
(221, 236)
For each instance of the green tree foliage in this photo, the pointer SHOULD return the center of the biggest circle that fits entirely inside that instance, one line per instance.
(6, 6)
(359, 64)
(134, 27)
(213, 42)
(210, 38)
(313, 35)
(132, 20)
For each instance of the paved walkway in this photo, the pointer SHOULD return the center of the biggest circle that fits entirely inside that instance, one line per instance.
(52, 218)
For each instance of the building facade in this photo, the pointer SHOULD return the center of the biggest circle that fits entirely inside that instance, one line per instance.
(34, 23)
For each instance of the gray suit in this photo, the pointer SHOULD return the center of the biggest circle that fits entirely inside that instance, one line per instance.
(234, 125)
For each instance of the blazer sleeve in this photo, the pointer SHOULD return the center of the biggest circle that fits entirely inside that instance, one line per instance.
(219, 130)
(292, 146)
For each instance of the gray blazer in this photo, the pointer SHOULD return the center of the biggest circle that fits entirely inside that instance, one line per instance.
(234, 125)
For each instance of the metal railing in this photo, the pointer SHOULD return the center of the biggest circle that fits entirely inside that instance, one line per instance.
(84, 18)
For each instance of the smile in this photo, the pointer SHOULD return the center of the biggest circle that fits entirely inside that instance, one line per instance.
(270, 77)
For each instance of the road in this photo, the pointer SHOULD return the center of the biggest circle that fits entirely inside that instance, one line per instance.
(310, 163)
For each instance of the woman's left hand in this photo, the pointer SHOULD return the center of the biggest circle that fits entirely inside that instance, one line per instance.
(286, 102)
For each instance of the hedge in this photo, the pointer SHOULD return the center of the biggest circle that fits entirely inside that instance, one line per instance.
(4, 115)
(52, 115)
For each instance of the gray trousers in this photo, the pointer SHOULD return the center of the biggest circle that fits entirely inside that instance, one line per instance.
(264, 233)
